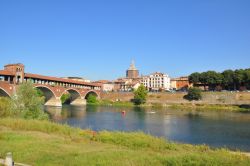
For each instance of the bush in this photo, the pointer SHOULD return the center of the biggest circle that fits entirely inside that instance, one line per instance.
(91, 99)
(193, 94)
(65, 98)
(5, 107)
(140, 95)
(28, 102)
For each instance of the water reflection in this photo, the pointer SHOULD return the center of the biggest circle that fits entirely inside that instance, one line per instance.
(217, 129)
(60, 113)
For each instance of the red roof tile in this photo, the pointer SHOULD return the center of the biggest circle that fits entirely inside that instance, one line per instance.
(30, 75)
(6, 73)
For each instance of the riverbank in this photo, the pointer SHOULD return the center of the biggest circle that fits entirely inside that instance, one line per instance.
(214, 101)
(46, 143)
(225, 98)
(180, 106)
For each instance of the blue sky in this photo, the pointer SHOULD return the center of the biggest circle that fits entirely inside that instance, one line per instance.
(97, 39)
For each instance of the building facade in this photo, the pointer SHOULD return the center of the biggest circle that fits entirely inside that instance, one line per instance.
(181, 83)
(132, 72)
(156, 81)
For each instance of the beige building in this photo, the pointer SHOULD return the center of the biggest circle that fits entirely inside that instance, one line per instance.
(180, 83)
(156, 81)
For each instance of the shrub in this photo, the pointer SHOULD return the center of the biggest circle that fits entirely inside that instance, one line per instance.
(193, 94)
(28, 102)
(65, 98)
(91, 99)
(140, 95)
(5, 107)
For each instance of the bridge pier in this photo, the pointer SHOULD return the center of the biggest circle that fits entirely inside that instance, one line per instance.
(54, 102)
(79, 102)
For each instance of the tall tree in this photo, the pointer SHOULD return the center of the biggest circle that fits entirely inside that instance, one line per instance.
(194, 78)
(228, 79)
(247, 78)
(140, 95)
(29, 102)
(239, 78)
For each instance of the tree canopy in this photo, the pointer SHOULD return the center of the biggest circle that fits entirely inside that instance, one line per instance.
(140, 95)
(228, 79)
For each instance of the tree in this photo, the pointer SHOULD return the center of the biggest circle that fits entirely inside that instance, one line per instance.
(91, 99)
(211, 78)
(5, 107)
(194, 78)
(65, 98)
(140, 95)
(193, 94)
(247, 78)
(28, 101)
(239, 77)
(228, 79)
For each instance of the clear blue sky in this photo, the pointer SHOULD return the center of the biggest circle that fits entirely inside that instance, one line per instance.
(97, 39)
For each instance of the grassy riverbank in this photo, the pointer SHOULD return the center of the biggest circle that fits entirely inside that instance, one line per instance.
(179, 106)
(210, 107)
(45, 143)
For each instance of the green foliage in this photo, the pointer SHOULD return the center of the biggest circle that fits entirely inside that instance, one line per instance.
(106, 102)
(228, 79)
(5, 107)
(91, 99)
(65, 97)
(140, 95)
(28, 101)
(194, 78)
(193, 94)
(39, 92)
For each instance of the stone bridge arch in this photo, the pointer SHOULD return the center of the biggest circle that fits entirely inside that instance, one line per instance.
(6, 90)
(75, 97)
(93, 92)
(50, 97)
(4, 93)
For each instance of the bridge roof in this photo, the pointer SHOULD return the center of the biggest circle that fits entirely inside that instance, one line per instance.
(30, 75)
(6, 73)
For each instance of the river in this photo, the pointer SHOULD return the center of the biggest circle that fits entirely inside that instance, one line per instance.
(216, 129)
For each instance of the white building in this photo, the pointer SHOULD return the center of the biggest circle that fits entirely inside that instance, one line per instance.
(156, 81)
(108, 87)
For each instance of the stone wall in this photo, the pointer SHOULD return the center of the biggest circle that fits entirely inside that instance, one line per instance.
(175, 98)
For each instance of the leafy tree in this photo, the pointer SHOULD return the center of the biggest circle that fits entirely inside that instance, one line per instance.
(65, 97)
(194, 78)
(39, 92)
(29, 102)
(193, 94)
(5, 107)
(91, 99)
(140, 95)
(247, 78)
(211, 78)
(239, 77)
(228, 78)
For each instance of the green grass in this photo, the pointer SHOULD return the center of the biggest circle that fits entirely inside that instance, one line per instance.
(46, 143)
(113, 103)
(209, 107)
(182, 106)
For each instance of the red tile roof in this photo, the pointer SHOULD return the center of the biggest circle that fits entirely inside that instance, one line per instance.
(6, 73)
(30, 75)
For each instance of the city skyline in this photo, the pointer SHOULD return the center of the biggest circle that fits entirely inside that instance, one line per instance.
(98, 40)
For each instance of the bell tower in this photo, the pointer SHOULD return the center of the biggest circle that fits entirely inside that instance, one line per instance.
(17, 70)
(132, 72)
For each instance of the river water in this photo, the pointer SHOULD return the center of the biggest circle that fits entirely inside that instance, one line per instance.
(217, 129)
